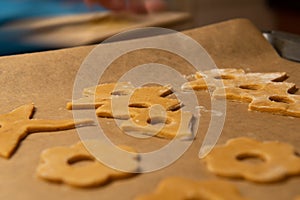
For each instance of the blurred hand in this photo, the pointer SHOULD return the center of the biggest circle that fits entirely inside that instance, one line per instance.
(137, 6)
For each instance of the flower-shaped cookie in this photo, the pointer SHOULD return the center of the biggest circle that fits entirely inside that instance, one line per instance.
(276, 160)
(176, 188)
(62, 164)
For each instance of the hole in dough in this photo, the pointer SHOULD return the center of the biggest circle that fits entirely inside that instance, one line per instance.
(250, 158)
(167, 93)
(281, 99)
(293, 90)
(224, 77)
(158, 120)
(194, 198)
(119, 93)
(80, 160)
(280, 79)
(138, 105)
(250, 87)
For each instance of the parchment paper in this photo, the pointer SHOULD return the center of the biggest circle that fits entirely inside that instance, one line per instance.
(47, 80)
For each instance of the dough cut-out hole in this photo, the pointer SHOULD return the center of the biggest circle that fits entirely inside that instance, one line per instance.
(158, 120)
(281, 79)
(119, 93)
(194, 198)
(80, 160)
(167, 93)
(176, 108)
(224, 77)
(281, 99)
(250, 87)
(297, 154)
(138, 105)
(250, 158)
(292, 90)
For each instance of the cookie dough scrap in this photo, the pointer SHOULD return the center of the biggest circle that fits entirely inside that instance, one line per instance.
(120, 106)
(62, 164)
(17, 124)
(265, 92)
(176, 188)
(271, 161)
(152, 119)
(154, 122)
(104, 95)
(100, 95)
(150, 112)
(123, 101)
(145, 97)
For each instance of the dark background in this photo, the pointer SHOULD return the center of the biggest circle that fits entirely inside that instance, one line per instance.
(281, 15)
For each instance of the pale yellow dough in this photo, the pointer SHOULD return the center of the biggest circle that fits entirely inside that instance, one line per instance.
(176, 188)
(146, 110)
(265, 92)
(17, 124)
(57, 164)
(277, 160)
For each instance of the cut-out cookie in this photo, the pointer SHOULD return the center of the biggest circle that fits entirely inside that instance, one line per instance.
(253, 160)
(16, 125)
(122, 101)
(176, 188)
(62, 164)
(264, 92)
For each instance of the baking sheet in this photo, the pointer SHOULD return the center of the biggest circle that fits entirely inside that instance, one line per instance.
(47, 80)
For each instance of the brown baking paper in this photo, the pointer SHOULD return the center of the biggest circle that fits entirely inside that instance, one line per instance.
(47, 80)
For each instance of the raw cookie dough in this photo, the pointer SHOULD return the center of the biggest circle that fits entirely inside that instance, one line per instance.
(275, 160)
(17, 124)
(100, 95)
(265, 92)
(162, 124)
(147, 110)
(59, 164)
(176, 188)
